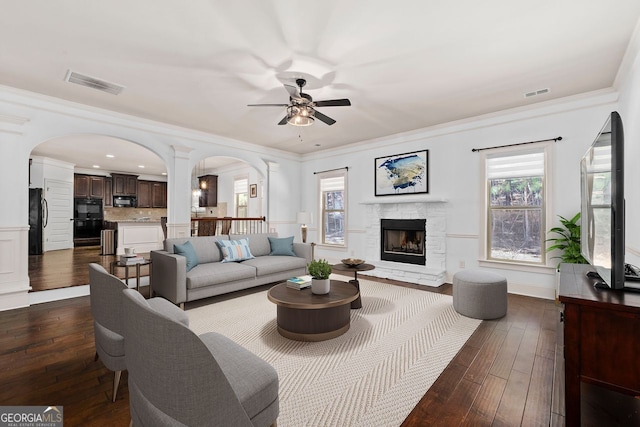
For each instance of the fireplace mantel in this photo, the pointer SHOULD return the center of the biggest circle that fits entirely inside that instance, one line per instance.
(403, 200)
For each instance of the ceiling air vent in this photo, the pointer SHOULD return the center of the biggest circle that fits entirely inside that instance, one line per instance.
(537, 92)
(92, 82)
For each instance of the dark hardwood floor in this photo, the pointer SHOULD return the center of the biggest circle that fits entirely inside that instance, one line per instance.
(68, 267)
(505, 375)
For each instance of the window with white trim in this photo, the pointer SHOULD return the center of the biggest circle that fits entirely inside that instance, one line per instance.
(241, 197)
(516, 205)
(333, 207)
(240, 201)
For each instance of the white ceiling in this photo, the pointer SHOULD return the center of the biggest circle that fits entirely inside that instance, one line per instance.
(404, 65)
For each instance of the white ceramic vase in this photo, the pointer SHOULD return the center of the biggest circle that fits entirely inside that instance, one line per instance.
(320, 286)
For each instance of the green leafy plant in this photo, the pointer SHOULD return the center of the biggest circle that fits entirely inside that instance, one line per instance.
(568, 240)
(319, 269)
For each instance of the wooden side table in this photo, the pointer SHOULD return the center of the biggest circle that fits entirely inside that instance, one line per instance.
(137, 265)
(357, 303)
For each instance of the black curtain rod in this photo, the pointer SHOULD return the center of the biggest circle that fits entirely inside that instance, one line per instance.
(331, 170)
(513, 145)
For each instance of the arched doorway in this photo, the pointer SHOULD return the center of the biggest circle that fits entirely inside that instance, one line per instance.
(76, 174)
(239, 191)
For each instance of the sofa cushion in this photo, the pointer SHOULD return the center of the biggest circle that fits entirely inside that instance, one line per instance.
(234, 250)
(266, 265)
(214, 273)
(258, 242)
(187, 251)
(281, 246)
(205, 247)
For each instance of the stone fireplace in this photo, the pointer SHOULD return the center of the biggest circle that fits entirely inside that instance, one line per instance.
(431, 215)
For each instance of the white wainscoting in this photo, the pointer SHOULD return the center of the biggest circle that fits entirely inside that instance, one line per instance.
(14, 267)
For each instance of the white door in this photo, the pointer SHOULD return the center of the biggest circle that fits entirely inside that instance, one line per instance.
(58, 215)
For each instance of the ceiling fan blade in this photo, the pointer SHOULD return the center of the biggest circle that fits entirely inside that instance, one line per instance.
(267, 105)
(293, 91)
(328, 120)
(333, 103)
(283, 121)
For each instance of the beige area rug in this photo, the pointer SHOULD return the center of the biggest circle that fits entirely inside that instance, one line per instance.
(399, 342)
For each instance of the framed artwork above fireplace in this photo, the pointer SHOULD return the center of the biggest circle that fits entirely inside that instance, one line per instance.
(406, 173)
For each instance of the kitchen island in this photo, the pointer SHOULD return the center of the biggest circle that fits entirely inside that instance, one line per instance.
(143, 236)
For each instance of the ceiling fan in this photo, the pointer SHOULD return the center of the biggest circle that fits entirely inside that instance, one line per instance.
(301, 109)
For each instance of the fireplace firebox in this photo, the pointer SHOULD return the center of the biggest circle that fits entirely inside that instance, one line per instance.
(403, 240)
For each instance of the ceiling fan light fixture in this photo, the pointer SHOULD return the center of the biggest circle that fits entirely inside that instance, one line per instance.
(301, 110)
(300, 116)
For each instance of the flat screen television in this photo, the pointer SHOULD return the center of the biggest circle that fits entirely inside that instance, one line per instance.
(602, 205)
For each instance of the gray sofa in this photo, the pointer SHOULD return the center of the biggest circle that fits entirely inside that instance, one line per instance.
(211, 276)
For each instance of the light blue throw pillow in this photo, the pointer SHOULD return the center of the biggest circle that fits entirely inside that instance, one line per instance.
(234, 250)
(187, 250)
(281, 246)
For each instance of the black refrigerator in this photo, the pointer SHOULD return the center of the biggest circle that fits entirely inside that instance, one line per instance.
(38, 216)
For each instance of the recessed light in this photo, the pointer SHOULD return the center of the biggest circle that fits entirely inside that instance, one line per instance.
(141, 166)
(164, 173)
(96, 166)
(317, 145)
(111, 156)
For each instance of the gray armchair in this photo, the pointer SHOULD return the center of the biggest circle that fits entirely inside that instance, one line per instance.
(177, 378)
(106, 307)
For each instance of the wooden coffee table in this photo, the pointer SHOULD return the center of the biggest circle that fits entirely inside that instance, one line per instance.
(303, 316)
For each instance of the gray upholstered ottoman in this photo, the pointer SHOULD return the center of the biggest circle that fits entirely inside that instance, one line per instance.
(480, 294)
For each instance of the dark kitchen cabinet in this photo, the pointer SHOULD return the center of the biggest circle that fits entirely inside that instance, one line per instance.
(96, 187)
(88, 186)
(152, 194)
(81, 185)
(124, 185)
(208, 190)
(159, 194)
(144, 194)
(108, 192)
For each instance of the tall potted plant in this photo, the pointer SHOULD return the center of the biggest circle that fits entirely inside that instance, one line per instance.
(567, 240)
(319, 271)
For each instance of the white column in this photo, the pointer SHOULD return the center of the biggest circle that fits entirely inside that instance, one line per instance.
(14, 215)
(179, 194)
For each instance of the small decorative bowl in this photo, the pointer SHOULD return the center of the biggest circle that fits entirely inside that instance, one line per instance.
(352, 262)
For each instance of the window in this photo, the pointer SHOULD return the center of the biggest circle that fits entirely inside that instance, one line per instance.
(241, 198)
(333, 200)
(516, 206)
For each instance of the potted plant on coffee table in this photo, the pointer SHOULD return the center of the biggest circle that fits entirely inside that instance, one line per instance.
(320, 271)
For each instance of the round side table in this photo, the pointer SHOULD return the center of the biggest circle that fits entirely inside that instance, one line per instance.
(357, 303)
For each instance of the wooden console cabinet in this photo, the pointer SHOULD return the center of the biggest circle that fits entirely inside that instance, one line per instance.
(601, 337)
